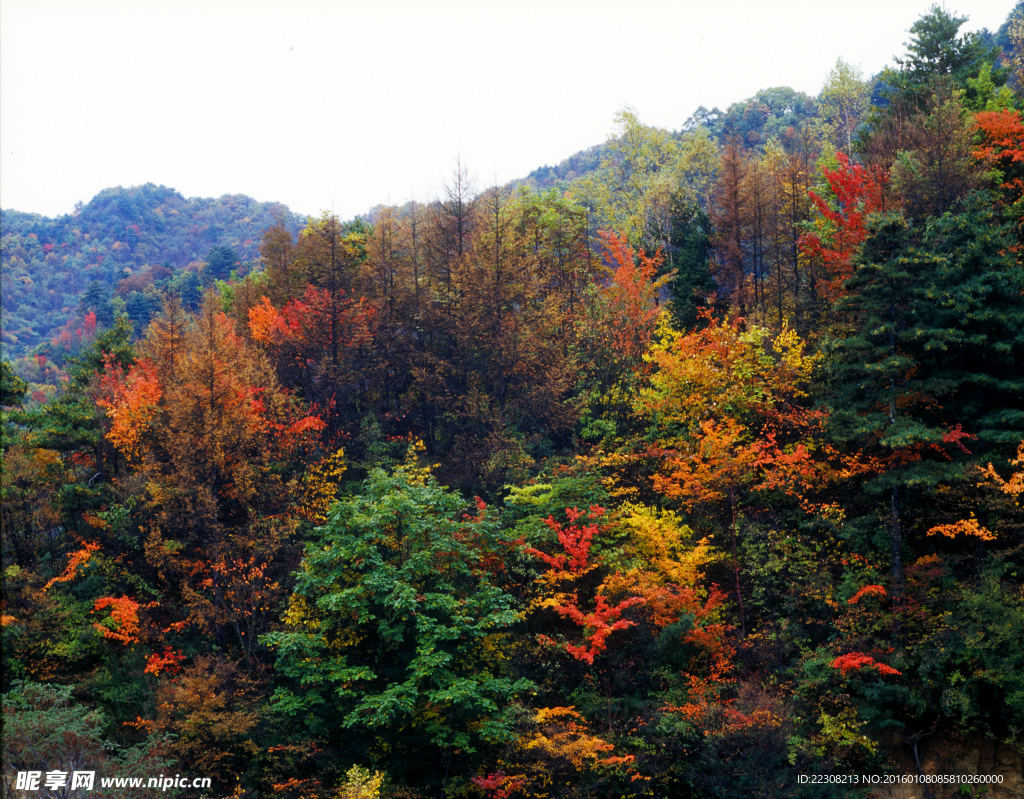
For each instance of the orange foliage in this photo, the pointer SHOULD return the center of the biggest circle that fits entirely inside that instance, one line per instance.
(170, 661)
(730, 398)
(268, 326)
(303, 326)
(664, 605)
(631, 313)
(130, 400)
(1015, 485)
(1002, 134)
(124, 612)
(867, 590)
(704, 472)
(968, 527)
(75, 561)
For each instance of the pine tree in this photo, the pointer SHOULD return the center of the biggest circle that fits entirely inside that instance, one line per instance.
(931, 362)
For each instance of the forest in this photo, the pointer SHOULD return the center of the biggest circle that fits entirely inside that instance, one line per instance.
(690, 467)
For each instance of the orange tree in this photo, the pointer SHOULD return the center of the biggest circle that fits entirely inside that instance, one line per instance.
(728, 420)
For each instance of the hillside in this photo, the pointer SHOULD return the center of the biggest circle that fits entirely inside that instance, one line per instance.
(701, 479)
(48, 263)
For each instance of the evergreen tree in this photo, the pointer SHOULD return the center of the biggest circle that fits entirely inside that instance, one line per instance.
(931, 362)
(220, 262)
(689, 256)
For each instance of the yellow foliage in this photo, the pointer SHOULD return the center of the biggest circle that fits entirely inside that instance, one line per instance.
(320, 485)
(416, 474)
(659, 540)
(567, 737)
(361, 784)
(299, 612)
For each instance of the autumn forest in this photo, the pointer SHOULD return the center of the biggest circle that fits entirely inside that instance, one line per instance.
(684, 468)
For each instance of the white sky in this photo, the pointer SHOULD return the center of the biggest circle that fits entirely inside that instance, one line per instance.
(343, 105)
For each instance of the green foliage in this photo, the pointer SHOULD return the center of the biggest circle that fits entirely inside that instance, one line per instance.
(936, 52)
(981, 676)
(397, 624)
(221, 261)
(45, 729)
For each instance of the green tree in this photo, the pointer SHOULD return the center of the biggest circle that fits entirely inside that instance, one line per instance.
(635, 180)
(97, 300)
(689, 256)
(45, 729)
(397, 625)
(936, 53)
(933, 358)
(220, 262)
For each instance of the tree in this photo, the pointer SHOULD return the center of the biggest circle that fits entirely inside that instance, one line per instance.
(836, 234)
(689, 257)
(727, 420)
(329, 255)
(46, 730)
(643, 175)
(635, 169)
(1002, 148)
(730, 219)
(935, 53)
(220, 263)
(213, 444)
(930, 362)
(936, 166)
(397, 624)
(97, 299)
(614, 337)
(842, 103)
(277, 252)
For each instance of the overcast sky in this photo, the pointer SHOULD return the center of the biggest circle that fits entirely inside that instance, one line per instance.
(342, 105)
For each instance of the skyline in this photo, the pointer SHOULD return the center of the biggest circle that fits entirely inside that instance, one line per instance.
(344, 106)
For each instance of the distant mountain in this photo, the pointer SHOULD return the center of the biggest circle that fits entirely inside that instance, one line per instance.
(48, 263)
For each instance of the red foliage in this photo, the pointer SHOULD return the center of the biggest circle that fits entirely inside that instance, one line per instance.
(575, 540)
(170, 661)
(601, 622)
(857, 193)
(854, 661)
(499, 785)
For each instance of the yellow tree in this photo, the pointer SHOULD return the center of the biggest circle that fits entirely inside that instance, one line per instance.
(725, 405)
(842, 104)
(632, 190)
